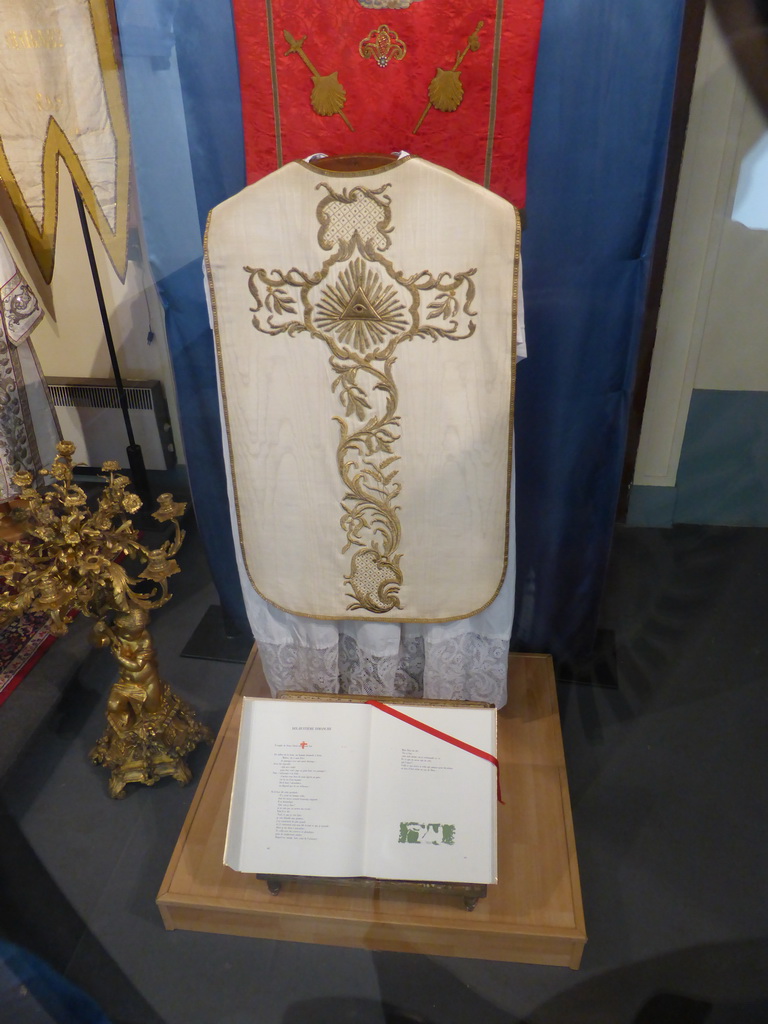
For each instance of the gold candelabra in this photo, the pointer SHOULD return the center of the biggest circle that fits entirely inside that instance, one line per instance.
(67, 560)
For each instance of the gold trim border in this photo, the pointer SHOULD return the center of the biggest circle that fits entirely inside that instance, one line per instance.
(383, 169)
(273, 76)
(26, 413)
(42, 241)
(384, 617)
(494, 92)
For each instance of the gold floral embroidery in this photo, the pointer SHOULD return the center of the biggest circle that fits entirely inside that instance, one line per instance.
(383, 45)
(362, 307)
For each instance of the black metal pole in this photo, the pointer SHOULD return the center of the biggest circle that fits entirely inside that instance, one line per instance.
(135, 456)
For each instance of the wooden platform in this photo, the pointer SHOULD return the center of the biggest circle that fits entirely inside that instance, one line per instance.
(534, 915)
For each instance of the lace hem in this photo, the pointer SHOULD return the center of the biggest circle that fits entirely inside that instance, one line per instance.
(466, 667)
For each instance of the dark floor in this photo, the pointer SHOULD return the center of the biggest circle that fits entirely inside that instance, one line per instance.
(668, 773)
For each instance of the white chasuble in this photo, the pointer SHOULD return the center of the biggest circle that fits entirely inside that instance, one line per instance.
(29, 430)
(366, 328)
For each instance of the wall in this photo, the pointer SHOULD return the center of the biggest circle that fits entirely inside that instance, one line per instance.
(705, 427)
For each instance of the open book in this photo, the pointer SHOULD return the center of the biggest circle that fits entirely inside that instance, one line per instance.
(339, 789)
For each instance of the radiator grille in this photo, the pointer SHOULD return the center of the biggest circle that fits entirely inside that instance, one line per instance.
(90, 396)
(90, 416)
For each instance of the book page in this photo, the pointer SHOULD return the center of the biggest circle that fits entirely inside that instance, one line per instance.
(298, 802)
(431, 812)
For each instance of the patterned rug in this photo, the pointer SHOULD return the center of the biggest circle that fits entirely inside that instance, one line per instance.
(23, 642)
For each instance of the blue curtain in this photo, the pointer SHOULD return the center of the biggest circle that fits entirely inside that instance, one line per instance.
(605, 80)
(602, 105)
(187, 137)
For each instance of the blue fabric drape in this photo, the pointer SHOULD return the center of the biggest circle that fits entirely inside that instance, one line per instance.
(186, 127)
(31, 990)
(602, 106)
(605, 80)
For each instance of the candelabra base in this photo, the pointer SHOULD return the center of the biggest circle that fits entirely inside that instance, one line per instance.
(154, 746)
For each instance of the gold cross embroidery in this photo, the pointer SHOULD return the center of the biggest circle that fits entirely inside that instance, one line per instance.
(362, 307)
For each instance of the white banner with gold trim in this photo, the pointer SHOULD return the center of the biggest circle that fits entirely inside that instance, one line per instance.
(60, 96)
(366, 333)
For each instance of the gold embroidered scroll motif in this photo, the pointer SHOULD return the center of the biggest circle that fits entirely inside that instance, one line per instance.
(362, 307)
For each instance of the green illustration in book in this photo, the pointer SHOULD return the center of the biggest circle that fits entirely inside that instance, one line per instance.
(431, 834)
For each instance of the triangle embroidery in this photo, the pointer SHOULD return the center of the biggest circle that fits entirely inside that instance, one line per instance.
(359, 308)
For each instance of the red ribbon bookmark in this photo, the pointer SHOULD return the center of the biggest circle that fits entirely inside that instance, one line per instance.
(443, 736)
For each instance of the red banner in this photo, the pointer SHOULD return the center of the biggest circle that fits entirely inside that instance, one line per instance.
(443, 79)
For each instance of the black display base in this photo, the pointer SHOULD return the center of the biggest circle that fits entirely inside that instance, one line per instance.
(214, 640)
(598, 668)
